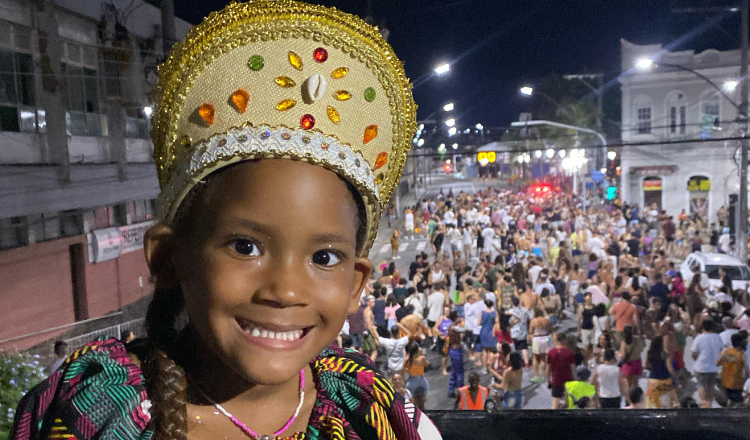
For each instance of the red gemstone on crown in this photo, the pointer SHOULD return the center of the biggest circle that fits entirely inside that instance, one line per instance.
(320, 54)
(307, 122)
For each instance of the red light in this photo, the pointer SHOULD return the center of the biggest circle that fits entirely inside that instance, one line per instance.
(447, 168)
(545, 189)
(537, 189)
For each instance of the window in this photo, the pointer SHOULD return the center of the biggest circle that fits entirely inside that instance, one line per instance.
(137, 125)
(16, 92)
(81, 101)
(710, 114)
(79, 68)
(644, 120)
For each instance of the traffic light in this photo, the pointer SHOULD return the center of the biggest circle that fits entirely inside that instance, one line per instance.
(611, 192)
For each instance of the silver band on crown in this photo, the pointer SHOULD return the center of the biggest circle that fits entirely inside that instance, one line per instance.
(249, 142)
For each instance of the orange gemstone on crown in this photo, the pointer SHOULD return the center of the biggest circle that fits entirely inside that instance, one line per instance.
(381, 160)
(240, 98)
(371, 132)
(207, 113)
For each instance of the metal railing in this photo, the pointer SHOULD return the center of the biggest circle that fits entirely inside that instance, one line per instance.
(59, 327)
(137, 326)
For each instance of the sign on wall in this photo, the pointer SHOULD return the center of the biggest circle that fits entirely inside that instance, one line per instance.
(699, 183)
(652, 185)
(485, 157)
(110, 243)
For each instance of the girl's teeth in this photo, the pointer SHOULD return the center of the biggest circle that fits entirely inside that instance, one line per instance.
(281, 336)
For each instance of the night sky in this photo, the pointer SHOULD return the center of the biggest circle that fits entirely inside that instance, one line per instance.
(496, 46)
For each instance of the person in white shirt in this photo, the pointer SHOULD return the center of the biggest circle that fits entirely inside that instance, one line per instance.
(543, 284)
(395, 348)
(456, 239)
(606, 379)
(488, 233)
(472, 318)
(724, 242)
(534, 271)
(415, 302)
(435, 304)
(706, 349)
(448, 217)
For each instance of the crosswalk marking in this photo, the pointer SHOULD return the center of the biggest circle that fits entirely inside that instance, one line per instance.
(385, 248)
(421, 245)
(403, 247)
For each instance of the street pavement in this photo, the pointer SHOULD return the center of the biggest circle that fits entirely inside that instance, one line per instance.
(536, 396)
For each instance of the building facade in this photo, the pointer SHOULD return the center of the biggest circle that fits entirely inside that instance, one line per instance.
(678, 125)
(77, 180)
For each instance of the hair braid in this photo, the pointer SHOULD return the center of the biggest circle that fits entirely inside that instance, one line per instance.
(165, 380)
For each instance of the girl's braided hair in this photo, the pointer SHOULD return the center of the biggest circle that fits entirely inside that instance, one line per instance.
(160, 356)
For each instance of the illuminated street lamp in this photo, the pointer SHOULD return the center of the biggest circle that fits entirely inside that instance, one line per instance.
(549, 153)
(452, 131)
(450, 122)
(611, 155)
(480, 127)
(538, 154)
(455, 146)
(448, 107)
(147, 111)
(420, 142)
(442, 69)
(731, 85)
(527, 91)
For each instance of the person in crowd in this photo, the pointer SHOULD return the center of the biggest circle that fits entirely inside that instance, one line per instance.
(630, 358)
(486, 325)
(441, 330)
(661, 392)
(734, 368)
(61, 353)
(636, 399)
(456, 352)
(580, 393)
(472, 396)
(585, 321)
(394, 347)
(706, 349)
(519, 330)
(512, 377)
(540, 337)
(607, 379)
(415, 365)
(562, 363)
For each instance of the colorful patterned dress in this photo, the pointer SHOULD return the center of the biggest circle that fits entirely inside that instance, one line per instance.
(100, 393)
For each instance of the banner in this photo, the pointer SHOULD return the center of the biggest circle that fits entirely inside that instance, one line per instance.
(110, 243)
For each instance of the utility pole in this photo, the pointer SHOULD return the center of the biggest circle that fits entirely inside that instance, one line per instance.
(168, 33)
(741, 241)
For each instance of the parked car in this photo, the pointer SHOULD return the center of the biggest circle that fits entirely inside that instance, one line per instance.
(710, 263)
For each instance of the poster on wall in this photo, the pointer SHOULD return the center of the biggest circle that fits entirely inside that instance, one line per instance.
(698, 188)
(110, 243)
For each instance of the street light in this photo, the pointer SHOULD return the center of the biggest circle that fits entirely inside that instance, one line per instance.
(452, 131)
(442, 69)
(455, 146)
(731, 85)
(448, 107)
(147, 111)
(450, 122)
(644, 64)
(526, 90)
(549, 153)
(420, 142)
(480, 127)
(611, 155)
(538, 154)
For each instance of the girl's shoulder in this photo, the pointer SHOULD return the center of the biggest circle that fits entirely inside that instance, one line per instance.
(99, 392)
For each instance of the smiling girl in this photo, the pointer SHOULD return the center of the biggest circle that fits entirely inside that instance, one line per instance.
(280, 131)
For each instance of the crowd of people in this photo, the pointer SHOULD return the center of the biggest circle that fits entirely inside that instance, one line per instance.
(588, 301)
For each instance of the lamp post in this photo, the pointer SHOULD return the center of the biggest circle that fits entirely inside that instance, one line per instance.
(645, 64)
(599, 102)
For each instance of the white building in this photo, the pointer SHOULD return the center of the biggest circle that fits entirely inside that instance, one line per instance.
(669, 106)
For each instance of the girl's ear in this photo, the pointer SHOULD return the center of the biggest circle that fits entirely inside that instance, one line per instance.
(159, 247)
(362, 272)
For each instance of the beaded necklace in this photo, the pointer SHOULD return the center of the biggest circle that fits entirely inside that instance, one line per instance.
(252, 434)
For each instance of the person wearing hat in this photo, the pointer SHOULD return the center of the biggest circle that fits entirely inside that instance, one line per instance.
(280, 132)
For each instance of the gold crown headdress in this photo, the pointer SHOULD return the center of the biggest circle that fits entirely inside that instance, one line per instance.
(283, 79)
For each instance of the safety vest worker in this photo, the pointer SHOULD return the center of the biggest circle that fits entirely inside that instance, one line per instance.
(466, 402)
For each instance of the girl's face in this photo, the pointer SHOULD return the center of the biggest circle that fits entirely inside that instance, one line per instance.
(602, 341)
(272, 253)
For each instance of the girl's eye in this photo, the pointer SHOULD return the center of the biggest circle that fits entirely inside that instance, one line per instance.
(246, 247)
(325, 258)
